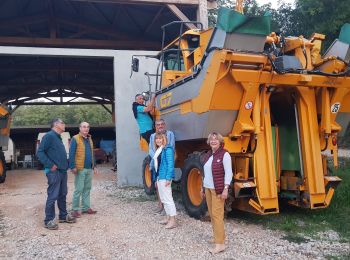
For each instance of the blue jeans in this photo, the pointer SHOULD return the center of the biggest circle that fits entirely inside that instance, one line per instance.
(56, 191)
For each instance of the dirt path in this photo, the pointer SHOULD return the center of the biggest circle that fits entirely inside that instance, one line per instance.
(126, 228)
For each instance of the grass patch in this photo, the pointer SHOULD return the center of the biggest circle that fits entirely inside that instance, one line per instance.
(298, 223)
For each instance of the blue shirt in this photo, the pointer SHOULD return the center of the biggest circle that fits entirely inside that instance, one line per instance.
(144, 120)
(88, 155)
(51, 151)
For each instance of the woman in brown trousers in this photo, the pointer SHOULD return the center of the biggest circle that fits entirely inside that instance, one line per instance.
(217, 179)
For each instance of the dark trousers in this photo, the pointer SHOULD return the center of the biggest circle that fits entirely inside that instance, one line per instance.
(56, 191)
(147, 135)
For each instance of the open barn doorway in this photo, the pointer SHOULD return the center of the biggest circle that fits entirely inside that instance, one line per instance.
(51, 83)
(120, 89)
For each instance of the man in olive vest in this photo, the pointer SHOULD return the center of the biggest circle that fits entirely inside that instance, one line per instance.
(82, 163)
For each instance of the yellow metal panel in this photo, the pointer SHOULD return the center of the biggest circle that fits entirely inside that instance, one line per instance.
(264, 167)
(345, 107)
(201, 103)
(289, 80)
(227, 94)
(310, 144)
(186, 107)
(244, 123)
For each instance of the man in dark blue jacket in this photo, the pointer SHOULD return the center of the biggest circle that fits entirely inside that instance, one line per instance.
(53, 156)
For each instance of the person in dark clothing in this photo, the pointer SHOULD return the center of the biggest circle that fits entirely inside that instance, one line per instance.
(52, 154)
(143, 117)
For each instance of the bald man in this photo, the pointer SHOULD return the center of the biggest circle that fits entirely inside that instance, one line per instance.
(83, 165)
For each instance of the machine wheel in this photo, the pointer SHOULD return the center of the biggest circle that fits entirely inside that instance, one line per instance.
(2, 167)
(147, 176)
(191, 183)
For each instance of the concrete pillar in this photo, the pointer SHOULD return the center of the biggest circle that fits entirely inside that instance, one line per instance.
(202, 13)
(129, 155)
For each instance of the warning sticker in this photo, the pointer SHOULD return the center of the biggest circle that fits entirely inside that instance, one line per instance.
(335, 108)
(248, 105)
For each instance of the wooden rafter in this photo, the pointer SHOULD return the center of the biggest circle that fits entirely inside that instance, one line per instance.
(27, 20)
(100, 12)
(139, 27)
(154, 2)
(52, 19)
(83, 43)
(155, 18)
(106, 30)
(54, 67)
(181, 15)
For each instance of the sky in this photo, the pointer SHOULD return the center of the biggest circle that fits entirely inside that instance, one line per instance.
(275, 3)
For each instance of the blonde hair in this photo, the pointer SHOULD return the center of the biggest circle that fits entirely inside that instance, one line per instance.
(164, 139)
(217, 135)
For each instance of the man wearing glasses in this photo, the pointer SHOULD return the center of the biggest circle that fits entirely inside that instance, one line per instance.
(52, 154)
(143, 116)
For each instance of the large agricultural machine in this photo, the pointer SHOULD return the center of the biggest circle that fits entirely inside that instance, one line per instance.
(278, 102)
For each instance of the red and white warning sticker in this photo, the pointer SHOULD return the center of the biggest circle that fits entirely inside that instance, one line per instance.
(335, 107)
(248, 105)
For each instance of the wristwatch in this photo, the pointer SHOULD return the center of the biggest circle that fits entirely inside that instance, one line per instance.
(227, 186)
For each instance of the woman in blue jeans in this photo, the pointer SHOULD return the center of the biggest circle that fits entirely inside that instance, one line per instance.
(163, 161)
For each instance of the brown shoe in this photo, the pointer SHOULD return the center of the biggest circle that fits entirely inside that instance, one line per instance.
(76, 214)
(90, 211)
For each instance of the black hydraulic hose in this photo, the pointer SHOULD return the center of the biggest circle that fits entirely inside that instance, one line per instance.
(342, 74)
(310, 72)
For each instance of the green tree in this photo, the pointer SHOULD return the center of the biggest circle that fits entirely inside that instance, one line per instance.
(71, 114)
(323, 16)
(308, 16)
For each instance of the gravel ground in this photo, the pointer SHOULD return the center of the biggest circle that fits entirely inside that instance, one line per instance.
(125, 227)
(342, 153)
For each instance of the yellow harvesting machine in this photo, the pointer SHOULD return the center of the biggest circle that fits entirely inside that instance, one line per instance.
(278, 102)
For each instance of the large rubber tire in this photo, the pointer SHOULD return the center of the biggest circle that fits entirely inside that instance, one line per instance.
(2, 167)
(147, 176)
(191, 183)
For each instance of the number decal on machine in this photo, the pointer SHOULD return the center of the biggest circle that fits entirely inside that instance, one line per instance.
(165, 100)
(335, 108)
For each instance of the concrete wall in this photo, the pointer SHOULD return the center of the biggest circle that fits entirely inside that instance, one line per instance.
(129, 155)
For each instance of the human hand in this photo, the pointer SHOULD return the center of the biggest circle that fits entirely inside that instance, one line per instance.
(224, 194)
(202, 193)
(74, 170)
(167, 183)
(54, 168)
(96, 171)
